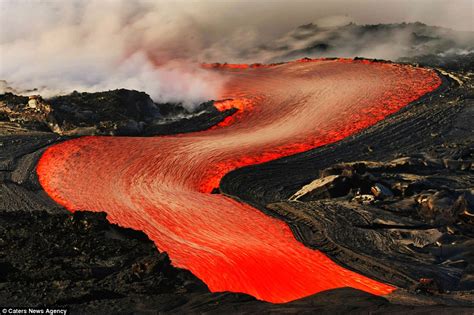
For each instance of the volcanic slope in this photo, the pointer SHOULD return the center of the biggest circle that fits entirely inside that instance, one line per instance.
(163, 185)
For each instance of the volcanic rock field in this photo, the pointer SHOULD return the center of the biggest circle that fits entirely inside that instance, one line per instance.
(329, 185)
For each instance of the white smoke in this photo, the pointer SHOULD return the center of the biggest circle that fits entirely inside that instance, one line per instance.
(61, 46)
(58, 46)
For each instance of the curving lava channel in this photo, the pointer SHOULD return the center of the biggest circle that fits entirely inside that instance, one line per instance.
(162, 185)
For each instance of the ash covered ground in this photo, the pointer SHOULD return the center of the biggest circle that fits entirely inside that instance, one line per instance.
(394, 203)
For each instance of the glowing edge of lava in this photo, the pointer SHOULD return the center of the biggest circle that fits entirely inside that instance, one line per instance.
(242, 105)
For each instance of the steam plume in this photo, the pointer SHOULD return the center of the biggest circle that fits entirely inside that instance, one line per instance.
(156, 46)
(58, 47)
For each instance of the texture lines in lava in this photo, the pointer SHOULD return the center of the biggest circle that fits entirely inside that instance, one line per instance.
(162, 185)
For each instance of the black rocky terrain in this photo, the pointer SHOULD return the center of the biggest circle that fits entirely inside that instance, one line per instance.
(460, 63)
(84, 263)
(393, 202)
(118, 112)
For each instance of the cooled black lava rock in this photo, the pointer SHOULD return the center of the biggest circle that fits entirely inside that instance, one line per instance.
(117, 112)
(86, 108)
(13, 100)
(457, 62)
(93, 267)
(408, 222)
(74, 259)
(189, 123)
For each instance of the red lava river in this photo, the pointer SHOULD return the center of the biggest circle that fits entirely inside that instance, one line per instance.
(162, 185)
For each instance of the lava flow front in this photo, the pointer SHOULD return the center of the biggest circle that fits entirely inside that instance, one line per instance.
(162, 185)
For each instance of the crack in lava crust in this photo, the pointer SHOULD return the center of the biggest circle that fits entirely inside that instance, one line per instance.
(161, 185)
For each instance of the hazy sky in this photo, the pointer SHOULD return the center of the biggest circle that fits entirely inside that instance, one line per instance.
(278, 15)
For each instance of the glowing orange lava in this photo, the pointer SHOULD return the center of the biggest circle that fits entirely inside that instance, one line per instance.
(161, 185)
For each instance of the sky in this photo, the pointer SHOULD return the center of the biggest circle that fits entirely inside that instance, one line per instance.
(275, 16)
(269, 17)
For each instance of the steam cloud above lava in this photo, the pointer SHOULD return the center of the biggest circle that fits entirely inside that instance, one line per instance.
(157, 46)
(61, 46)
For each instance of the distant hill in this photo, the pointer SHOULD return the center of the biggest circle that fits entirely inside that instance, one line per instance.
(384, 41)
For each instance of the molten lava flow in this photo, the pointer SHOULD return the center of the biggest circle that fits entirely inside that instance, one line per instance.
(161, 185)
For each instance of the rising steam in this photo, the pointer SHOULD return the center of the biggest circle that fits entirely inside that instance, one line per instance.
(58, 47)
(157, 46)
